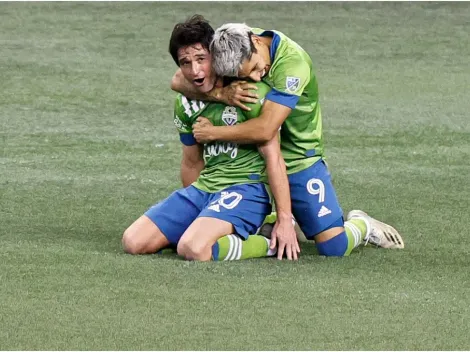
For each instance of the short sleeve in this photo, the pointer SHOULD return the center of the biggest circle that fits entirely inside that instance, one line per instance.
(290, 78)
(182, 124)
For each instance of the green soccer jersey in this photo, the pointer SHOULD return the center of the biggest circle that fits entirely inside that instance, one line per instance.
(294, 84)
(225, 163)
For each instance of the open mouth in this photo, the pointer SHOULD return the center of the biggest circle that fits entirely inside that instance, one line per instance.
(199, 81)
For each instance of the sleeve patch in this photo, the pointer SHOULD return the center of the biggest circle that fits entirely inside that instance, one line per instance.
(292, 84)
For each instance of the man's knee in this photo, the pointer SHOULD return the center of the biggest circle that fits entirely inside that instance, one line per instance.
(131, 243)
(192, 250)
(333, 241)
(335, 246)
(137, 240)
(143, 237)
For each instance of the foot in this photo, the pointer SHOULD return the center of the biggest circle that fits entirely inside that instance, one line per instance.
(378, 233)
(268, 225)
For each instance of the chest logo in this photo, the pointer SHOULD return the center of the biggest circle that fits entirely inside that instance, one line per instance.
(292, 83)
(229, 116)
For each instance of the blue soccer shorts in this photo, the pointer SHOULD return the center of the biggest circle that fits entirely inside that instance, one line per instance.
(314, 202)
(244, 206)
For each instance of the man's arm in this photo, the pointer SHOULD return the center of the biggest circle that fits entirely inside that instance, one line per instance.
(192, 164)
(277, 176)
(279, 103)
(254, 131)
(284, 234)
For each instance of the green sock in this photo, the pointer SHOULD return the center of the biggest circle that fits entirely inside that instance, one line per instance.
(270, 219)
(356, 230)
(232, 247)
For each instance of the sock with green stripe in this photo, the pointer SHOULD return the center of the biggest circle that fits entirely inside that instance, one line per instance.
(232, 247)
(356, 230)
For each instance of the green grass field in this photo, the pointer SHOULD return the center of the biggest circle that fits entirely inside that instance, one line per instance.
(88, 144)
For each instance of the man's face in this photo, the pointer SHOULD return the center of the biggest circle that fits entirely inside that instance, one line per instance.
(257, 66)
(195, 64)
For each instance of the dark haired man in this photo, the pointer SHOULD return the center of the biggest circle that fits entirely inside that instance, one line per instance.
(224, 182)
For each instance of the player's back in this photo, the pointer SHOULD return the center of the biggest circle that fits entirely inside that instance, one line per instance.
(292, 78)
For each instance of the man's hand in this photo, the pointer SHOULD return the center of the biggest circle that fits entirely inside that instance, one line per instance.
(237, 93)
(203, 130)
(285, 238)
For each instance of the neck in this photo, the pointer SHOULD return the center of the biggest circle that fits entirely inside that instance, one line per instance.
(266, 54)
(266, 40)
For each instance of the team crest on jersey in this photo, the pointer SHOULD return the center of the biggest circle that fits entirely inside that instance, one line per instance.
(292, 83)
(229, 116)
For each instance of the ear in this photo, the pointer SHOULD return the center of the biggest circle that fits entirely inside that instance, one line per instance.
(255, 39)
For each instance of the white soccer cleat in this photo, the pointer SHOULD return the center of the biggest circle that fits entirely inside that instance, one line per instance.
(378, 233)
